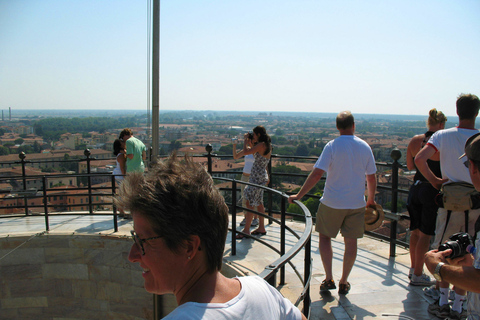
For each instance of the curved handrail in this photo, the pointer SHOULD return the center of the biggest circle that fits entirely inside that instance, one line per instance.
(304, 241)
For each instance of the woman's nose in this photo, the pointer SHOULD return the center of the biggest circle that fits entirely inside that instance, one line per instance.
(134, 254)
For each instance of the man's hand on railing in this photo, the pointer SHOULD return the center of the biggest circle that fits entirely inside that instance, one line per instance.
(293, 197)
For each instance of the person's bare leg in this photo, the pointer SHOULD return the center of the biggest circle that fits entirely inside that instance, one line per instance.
(261, 219)
(326, 253)
(413, 247)
(249, 218)
(423, 244)
(349, 258)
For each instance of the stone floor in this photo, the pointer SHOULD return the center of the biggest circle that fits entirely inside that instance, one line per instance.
(380, 288)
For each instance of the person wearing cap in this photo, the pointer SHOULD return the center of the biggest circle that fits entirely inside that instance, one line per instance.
(463, 272)
(449, 144)
(348, 161)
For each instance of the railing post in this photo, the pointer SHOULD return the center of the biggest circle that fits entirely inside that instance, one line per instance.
(45, 202)
(269, 194)
(282, 238)
(209, 149)
(234, 216)
(307, 268)
(115, 217)
(22, 156)
(87, 154)
(396, 155)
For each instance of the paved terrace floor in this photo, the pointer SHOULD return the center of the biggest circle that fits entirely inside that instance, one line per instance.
(380, 288)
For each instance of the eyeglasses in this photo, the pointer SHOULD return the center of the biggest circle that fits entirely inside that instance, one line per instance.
(467, 163)
(139, 242)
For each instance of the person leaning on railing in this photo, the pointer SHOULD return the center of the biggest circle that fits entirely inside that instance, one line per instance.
(464, 271)
(180, 227)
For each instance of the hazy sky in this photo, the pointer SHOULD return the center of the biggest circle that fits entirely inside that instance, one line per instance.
(385, 56)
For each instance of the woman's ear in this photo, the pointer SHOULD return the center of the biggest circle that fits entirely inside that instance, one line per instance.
(192, 246)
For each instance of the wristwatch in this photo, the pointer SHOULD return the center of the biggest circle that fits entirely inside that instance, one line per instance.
(436, 273)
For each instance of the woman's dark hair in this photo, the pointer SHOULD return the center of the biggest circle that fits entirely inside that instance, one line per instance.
(179, 199)
(264, 137)
(117, 146)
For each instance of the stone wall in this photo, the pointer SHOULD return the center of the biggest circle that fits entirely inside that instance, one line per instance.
(71, 277)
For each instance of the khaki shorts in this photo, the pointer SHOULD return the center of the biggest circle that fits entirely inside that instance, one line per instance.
(351, 222)
(455, 224)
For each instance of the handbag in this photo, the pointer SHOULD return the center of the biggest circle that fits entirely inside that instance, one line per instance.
(459, 196)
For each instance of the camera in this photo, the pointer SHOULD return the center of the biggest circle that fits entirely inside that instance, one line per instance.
(460, 243)
(250, 136)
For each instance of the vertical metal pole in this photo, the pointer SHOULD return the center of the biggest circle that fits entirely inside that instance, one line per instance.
(155, 78)
(282, 239)
(209, 149)
(308, 262)
(115, 217)
(87, 154)
(22, 156)
(269, 194)
(396, 155)
(234, 216)
(45, 202)
(157, 307)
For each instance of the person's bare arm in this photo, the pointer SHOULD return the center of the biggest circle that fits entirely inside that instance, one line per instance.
(412, 151)
(311, 181)
(130, 156)
(421, 163)
(372, 188)
(121, 162)
(144, 155)
(237, 155)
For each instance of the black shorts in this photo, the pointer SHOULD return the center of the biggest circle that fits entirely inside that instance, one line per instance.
(422, 207)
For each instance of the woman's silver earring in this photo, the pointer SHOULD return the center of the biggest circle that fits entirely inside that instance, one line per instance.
(188, 257)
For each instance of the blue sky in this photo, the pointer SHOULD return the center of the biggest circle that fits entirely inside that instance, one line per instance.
(390, 57)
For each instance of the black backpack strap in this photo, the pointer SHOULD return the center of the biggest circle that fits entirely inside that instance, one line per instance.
(466, 221)
(449, 214)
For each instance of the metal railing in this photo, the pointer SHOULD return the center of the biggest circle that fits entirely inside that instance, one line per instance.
(108, 191)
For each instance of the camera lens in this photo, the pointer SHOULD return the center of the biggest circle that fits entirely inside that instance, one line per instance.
(456, 249)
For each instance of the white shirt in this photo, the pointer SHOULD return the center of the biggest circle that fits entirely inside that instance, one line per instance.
(249, 160)
(257, 300)
(451, 145)
(346, 160)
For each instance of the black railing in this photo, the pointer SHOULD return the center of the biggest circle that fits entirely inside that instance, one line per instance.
(45, 192)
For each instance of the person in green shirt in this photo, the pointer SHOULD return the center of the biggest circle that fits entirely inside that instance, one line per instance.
(136, 151)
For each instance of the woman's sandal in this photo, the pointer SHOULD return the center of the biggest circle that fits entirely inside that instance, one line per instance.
(258, 233)
(240, 236)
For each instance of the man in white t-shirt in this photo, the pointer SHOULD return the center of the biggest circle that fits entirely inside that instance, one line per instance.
(450, 144)
(348, 161)
(463, 271)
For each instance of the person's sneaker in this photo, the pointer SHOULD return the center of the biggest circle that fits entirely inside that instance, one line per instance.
(255, 222)
(344, 288)
(244, 221)
(432, 292)
(422, 280)
(455, 315)
(410, 272)
(327, 285)
(439, 311)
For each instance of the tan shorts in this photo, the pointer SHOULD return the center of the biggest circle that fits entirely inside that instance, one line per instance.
(455, 224)
(351, 222)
